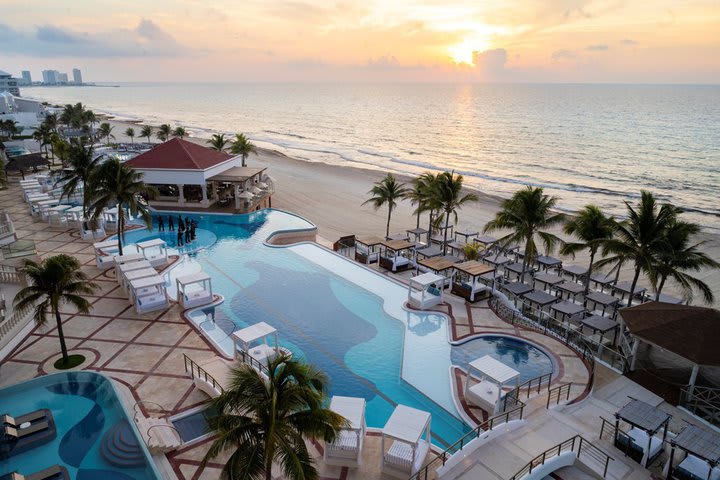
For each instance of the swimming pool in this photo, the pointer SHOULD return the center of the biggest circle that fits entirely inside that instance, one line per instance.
(94, 439)
(344, 318)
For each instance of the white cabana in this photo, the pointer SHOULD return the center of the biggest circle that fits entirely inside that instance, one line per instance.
(136, 274)
(110, 218)
(346, 450)
(251, 344)
(73, 216)
(148, 294)
(105, 253)
(408, 432)
(56, 215)
(425, 291)
(154, 251)
(194, 290)
(398, 255)
(491, 375)
(122, 270)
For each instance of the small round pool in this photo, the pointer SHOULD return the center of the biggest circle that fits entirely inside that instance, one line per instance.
(524, 357)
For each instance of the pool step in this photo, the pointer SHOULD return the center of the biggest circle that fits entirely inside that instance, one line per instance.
(120, 447)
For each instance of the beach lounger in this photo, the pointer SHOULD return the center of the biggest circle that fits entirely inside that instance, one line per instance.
(56, 472)
(37, 428)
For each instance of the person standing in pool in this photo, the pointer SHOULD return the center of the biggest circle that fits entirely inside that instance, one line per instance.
(171, 224)
(180, 233)
(161, 224)
(193, 226)
(188, 227)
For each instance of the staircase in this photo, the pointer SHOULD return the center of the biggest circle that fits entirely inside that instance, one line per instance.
(120, 447)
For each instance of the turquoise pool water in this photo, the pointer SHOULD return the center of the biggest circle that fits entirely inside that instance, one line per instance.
(89, 418)
(342, 317)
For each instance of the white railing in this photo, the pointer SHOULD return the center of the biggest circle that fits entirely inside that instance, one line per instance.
(16, 322)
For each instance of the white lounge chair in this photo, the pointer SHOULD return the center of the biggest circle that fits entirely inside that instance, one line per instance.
(346, 450)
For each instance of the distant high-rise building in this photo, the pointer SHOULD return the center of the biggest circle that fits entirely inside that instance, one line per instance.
(77, 76)
(26, 77)
(8, 83)
(62, 78)
(50, 77)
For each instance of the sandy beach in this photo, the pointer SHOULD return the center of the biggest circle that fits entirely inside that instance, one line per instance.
(332, 196)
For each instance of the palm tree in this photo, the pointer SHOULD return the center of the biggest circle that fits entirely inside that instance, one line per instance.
(105, 130)
(640, 238)
(677, 256)
(527, 214)
(268, 419)
(77, 116)
(54, 281)
(420, 193)
(593, 228)
(180, 132)
(42, 136)
(146, 132)
(81, 162)
(130, 132)
(118, 185)
(241, 145)
(218, 142)
(51, 121)
(387, 191)
(164, 132)
(448, 198)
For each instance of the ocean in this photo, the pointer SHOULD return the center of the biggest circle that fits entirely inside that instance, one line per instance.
(584, 144)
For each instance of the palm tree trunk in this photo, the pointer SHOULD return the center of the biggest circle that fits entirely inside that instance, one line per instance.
(634, 284)
(61, 335)
(447, 225)
(120, 227)
(526, 258)
(417, 224)
(243, 159)
(589, 272)
(660, 287)
(387, 228)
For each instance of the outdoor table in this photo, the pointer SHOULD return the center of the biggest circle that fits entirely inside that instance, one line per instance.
(571, 288)
(466, 234)
(624, 289)
(602, 280)
(540, 298)
(599, 298)
(518, 268)
(417, 233)
(456, 246)
(547, 279)
(496, 260)
(546, 262)
(485, 240)
(517, 288)
(429, 252)
(601, 324)
(567, 309)
(575, 271)
(398, 236)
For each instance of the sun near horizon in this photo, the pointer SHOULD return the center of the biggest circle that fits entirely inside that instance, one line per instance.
(655, 41)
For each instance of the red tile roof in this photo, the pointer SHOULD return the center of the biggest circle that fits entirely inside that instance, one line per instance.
(179, 154)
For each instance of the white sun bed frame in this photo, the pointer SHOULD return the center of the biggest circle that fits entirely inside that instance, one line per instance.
(407, 432)
(194, 297)
(148, 294)
(485, 380)
(425, 291)
(346, 450)
(259, 354)
(154, 251)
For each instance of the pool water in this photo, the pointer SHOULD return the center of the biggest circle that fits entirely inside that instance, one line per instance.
(345, 319)
(87, 415)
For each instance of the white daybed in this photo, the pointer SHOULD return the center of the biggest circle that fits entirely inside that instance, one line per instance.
(426, 290)
(490, 376)
(346, 450)
(251, 344)
(408, 433)
(398, 255)
(129, 276)
(148, 294)
(122, 270)
(110, 218)
(194, 290)
(73, 216)
(154, 251)
(105, 253)
(640, 438)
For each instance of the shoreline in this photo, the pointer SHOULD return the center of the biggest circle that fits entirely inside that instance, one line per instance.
(331, 197)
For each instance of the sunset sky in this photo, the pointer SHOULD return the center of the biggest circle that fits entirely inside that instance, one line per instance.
(371, 40)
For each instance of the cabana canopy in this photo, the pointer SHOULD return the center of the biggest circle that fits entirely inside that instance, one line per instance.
(254, 332)
(643, 416)
(540, 298)
(700, 442)
(351, 408)
(473, 268)
(407, 424)
(690, 332)
(495, 370)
